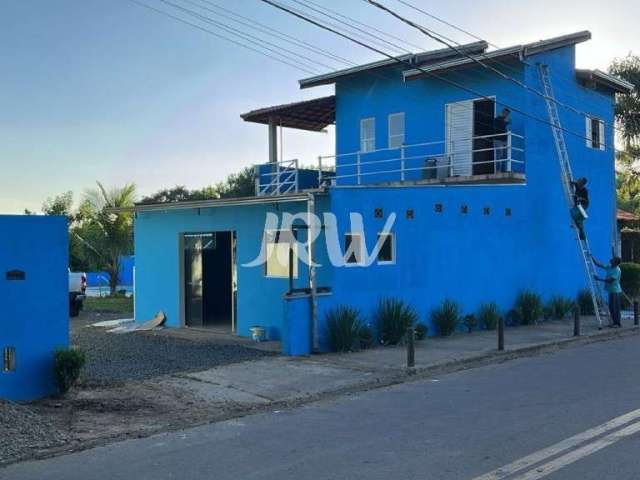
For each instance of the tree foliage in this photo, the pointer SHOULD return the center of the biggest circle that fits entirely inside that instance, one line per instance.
(237, 185)
(109, 233)
(628, 106)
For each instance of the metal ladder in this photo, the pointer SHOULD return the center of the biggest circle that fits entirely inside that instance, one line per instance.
(599, 306)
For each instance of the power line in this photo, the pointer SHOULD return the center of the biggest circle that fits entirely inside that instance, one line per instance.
(365, 25)
(215, 34)
(363, 33)
(400, 60)
(570, 81)
(267, 29)
(245, 36)
(503, 75)
(373, 74)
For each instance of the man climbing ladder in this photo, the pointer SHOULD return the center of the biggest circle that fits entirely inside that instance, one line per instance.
(572, 192)
(580, 205)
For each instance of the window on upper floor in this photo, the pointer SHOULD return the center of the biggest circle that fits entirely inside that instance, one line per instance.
(367, 135)
(396, 130)
(595, 133)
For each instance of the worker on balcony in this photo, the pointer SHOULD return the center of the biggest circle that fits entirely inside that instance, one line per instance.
(501, 125)
(580, 204)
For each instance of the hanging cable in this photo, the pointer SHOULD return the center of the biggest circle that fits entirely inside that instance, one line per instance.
(217, 35)
(570, 81)
(406, 62)
(244, 35)
(475, 60)
(272, 31)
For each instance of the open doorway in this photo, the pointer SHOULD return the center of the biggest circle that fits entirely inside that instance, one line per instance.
(484, 112)
(209, 279)
(466, 121)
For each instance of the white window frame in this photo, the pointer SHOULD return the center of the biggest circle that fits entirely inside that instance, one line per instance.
(589, 121)
(394, 137)
(368, 144)
(278, 235)
(359, 254)
(393, 248)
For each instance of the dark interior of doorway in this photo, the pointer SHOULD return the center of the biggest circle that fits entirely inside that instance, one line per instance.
(209, 280)
(483, 115)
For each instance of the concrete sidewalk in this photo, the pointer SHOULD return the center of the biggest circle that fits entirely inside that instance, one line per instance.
(284, 381)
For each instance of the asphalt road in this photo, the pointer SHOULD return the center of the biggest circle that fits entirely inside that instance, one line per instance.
(459, 426)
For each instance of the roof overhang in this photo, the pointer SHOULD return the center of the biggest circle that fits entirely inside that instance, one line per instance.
(314, 115)
(519, 52)
(413, 58)
(600, 78)
(221, 202)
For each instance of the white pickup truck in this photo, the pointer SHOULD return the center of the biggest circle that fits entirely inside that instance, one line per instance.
(77, 290)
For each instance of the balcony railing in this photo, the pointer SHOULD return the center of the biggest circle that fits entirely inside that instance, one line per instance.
(473, 158)
(277, 178)
(465, 157)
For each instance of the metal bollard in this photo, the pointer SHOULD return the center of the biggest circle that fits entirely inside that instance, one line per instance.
(576, 322)
(636, 314)
(501, 333)
(411, 351)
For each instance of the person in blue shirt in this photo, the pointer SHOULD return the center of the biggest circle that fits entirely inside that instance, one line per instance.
(612, 285)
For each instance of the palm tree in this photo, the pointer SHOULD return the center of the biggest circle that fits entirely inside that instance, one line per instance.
(111, 227)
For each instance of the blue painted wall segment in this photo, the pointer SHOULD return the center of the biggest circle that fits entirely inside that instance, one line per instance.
(35, 317)
(483, 242)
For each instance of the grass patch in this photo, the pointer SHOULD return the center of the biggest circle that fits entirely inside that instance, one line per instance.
(116, 304)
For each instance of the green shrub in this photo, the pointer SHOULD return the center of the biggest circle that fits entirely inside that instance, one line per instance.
(584, 302)
(68, 364)
(529, 307)
(630, 279)
(393, 317)
(366, 337)
(488, 314)
(470, 322)
(559, 307)
(344, 328)
(446, 317)
(421, 331)
(513, 318)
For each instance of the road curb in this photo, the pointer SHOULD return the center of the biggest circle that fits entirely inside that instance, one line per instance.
(496, 357)
(378, 379)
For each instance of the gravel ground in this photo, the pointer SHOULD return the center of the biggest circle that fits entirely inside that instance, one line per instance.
(22, 429)
(114, 358)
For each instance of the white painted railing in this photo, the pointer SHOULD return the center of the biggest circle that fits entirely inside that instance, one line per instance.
(498, 153)
(276, 178)
(439, 159)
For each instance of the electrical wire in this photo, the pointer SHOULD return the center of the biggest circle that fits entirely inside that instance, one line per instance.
(498, 72)
(245, 36)
(215, 34)
(570, 81)
(267, 29)
(402, 61)
(365, 25)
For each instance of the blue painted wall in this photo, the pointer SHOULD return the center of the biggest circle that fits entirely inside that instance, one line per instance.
(36, 310)
(158, 258)
(470, 257)
(423, 101)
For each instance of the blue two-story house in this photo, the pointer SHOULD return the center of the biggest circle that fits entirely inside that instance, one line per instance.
(421, 200)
